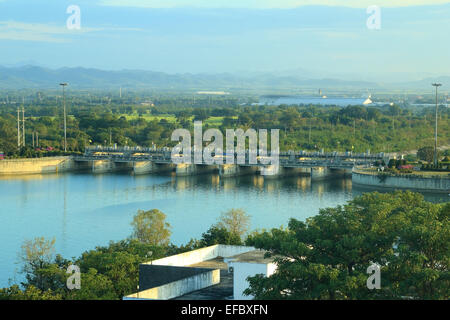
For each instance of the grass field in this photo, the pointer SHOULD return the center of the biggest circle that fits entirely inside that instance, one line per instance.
(211, 121)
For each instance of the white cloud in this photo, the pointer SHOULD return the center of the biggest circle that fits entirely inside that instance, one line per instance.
(266, 4)
(14, 30)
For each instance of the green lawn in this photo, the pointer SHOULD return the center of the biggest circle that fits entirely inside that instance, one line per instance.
(149, 117)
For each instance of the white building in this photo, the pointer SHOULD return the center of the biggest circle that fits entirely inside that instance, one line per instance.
(246, 265)
(212, 273)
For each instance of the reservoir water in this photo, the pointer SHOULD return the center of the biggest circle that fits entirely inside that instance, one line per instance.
(82, 211)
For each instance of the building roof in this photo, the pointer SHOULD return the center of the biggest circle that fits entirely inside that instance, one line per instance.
(220, 291)
(254, 256)
(216, 263)
(198, 274)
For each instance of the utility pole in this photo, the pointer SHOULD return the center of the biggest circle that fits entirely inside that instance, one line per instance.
(18, 128)
(35, 137)
(309, 140)
(63, 85)
(437, 85)
(23, 126)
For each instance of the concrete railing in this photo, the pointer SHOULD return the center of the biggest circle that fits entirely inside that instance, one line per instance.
(200, 255)
(417, 174)
(36, 165)
(414, 182)
(178, 288)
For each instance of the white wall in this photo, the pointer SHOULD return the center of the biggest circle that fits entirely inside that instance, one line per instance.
(36, 165)
(190, 284)
(243, 270)
(405, 182)
(200, 255)
(178, 288)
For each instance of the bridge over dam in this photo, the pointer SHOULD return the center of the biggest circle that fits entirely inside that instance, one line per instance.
(141, 160)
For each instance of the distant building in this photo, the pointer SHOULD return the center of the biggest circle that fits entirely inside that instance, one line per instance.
(368, 100)
(217, 272)
(147, 103)
(216, 93)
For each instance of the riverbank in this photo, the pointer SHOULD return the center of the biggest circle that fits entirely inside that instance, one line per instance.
(436, 182)
(37, 165)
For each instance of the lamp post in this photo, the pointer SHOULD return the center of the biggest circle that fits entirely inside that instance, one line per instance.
(437, 85)
(63, 85)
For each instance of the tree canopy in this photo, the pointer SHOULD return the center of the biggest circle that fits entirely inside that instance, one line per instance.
(327, 256)
(151, 227)
(235, 221)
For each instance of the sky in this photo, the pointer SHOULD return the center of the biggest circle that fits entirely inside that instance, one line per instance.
(320, 38)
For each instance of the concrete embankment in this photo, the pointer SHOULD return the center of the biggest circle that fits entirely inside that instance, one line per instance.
(414, 182)
(38, 165)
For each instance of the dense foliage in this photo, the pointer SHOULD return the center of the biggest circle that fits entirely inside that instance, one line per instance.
(151, 227)
(137, 122)
(327, 256)
(109, 272)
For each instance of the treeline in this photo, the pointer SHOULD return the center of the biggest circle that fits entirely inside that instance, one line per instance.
(354, 128)
(400, 236)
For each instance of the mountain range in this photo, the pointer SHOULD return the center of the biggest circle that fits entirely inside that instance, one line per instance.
(38, 77)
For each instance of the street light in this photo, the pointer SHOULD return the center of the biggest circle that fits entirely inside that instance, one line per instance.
(148, 255)
(63, 85)
(437, 85)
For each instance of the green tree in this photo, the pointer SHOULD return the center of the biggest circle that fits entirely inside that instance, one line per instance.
(31, 293)
(151, 227)
(219, 235)
(327, 256)
(35, 255)
(235, 221)
(426, 154)
(94, 286)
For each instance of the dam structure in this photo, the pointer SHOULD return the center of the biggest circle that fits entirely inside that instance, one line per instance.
(152, 160)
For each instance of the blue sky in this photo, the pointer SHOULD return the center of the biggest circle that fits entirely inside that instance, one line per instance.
(319, 38)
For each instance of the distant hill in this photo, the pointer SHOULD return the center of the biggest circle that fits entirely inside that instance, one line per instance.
(426, 83)
(30, 76)
(25, 77)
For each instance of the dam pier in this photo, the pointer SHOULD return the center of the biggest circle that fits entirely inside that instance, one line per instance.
(319, 165)
(138, 160)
